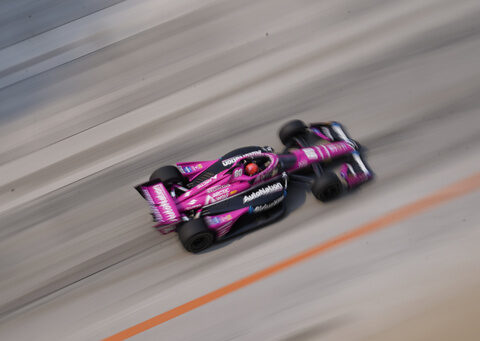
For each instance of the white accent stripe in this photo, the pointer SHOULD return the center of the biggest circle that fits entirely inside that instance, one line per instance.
(328, 152)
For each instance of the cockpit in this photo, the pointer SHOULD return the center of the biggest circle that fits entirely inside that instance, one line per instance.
(255, 164)
(255, 167)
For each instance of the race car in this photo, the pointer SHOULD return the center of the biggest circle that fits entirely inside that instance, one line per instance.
(207, 201)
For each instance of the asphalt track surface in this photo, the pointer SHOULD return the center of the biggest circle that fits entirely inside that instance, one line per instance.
(94, 95)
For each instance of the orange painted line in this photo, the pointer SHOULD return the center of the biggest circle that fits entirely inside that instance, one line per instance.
(453, 191)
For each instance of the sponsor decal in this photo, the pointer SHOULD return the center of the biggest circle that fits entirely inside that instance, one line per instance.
(302, 163)
(191, 168)
(238, 172)
(215, 220)
(310, 153)
(233, 192)
(162, 202)
(208, 181)
(327, 152)
(276, 187)
(220, 192)
(221, 223)
(213, 189)
(333, 148)
(209, 199)
(232, 160)
(339, 147)
(216, 196)
(269, 205)
(319, 150)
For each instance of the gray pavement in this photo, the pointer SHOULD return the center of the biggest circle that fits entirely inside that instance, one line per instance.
(95, 96)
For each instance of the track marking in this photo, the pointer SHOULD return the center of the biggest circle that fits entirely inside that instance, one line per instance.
(450, 192)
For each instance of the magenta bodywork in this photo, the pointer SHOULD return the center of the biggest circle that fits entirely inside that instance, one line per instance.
(170, 210)
(163, 206)
(246, 188)
(224, 185)
(216, 188)
(192, 169)
(352, 179)
(307, 156)
(223, 222)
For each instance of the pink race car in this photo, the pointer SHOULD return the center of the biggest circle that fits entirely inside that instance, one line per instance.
(205, 201)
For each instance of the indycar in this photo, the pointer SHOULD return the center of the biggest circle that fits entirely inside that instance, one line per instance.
(208, 201)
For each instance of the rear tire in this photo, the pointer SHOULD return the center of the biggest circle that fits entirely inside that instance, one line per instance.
(291, 129)
(327, 187)
(195, 236)
(167, 175)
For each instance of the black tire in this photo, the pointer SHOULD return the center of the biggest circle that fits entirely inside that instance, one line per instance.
(195, 236)
(291, 129)
(327, 187)
(168, 175)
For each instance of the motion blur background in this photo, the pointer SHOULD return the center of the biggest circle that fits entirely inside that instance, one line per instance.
(96, 94)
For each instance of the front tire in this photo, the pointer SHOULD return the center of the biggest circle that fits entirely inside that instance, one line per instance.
(195, 236)
(327, 187)
(291, 129)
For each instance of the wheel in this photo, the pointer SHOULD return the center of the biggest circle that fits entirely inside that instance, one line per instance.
(195, 236)
(327, 187)
(168, 175)
(290, 129)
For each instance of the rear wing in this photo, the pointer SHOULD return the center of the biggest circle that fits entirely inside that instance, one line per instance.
(163, 206)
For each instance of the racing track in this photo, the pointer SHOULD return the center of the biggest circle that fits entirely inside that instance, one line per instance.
(95, 94)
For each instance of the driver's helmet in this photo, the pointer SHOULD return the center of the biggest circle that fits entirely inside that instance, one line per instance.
(251, 169)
